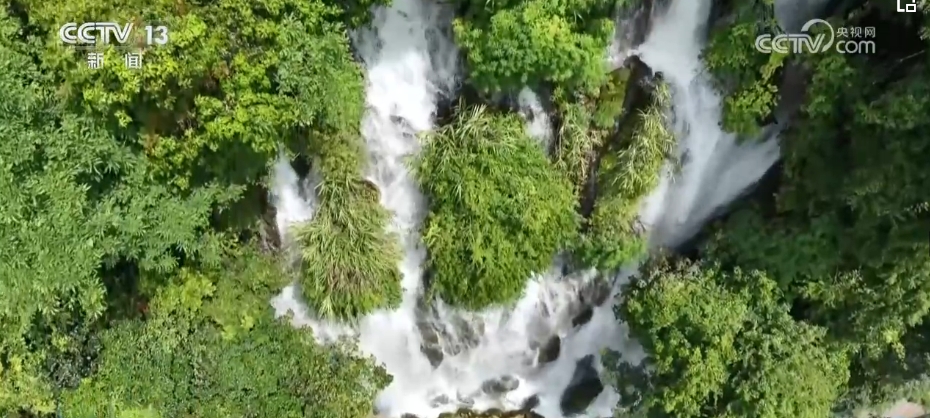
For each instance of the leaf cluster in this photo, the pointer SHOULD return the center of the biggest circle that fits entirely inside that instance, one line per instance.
(499, 210)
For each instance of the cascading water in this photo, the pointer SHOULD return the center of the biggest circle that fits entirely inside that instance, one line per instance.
(441, 358)
(537, 125)
(715, 168)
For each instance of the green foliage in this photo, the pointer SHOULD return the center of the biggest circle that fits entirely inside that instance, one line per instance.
(845, 236)
(613, 236)
(113, 183)
(349, 262)
(509, 45)
(747, 76)
(586, 124)
(76, 201)
(499, 210)
(211, 348)
(207, 105)
(723, 345)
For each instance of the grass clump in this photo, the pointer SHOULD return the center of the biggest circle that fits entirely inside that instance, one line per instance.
(586, 123)
(613, 236)
(499, 209)
(348, 259)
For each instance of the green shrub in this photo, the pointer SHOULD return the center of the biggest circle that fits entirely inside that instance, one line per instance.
(613, 237)
(536, 42)
(349, 260)
(499, 209)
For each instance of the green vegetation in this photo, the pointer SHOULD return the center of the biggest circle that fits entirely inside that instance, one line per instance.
(723, 345)
(509, 45)
(209, 348)
(349, 263)
(134, 279)
(129, 285)
(811, 298)
(626, 175)
(749, 76)
(586, 125)
(499, 211)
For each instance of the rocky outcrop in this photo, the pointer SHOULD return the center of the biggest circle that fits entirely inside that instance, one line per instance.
(491, 413)
(636, 96)
(440, 336)
(583, 388)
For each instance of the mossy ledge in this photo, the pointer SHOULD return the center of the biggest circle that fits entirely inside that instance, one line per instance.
(626, 169)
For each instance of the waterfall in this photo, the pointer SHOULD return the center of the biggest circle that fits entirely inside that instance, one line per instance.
(442, 358)
(537, 120)
(715, 168)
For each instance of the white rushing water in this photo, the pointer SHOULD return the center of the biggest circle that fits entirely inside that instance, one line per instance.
(442, 359)
(716, 168)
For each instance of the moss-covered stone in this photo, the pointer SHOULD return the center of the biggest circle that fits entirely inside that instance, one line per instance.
(626, 174)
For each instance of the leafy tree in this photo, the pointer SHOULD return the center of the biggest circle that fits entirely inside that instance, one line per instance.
(499, 210)
(722, 344)
(211, 348)
(76, 203)
(747, 76)
(235, 79)
(846, 233)
(115, 181)
(509, 45)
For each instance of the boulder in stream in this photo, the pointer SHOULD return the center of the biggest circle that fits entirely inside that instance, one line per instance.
(584, 387)
(550, 351)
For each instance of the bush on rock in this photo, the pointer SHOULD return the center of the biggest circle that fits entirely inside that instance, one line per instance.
(349, 260)
(499, 209)
(626, 176)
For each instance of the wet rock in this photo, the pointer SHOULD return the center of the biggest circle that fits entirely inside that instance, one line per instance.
(449, 335)
(597, 293)
(439, 401)
(530, 403)
(430, 346)
(499, 386)
(269, 235)
(409, 416)
(433, 354)
(491, 413)
(583, 388)
(459, 335)
(465, 400)
(584, 317)
(402, 122)
(550, 351)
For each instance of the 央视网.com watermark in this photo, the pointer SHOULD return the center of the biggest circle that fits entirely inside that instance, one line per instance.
(854, 40)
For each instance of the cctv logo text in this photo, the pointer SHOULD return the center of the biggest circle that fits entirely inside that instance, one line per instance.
(799, 43)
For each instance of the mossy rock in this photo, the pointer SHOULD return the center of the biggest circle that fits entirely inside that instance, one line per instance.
(611, 99)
